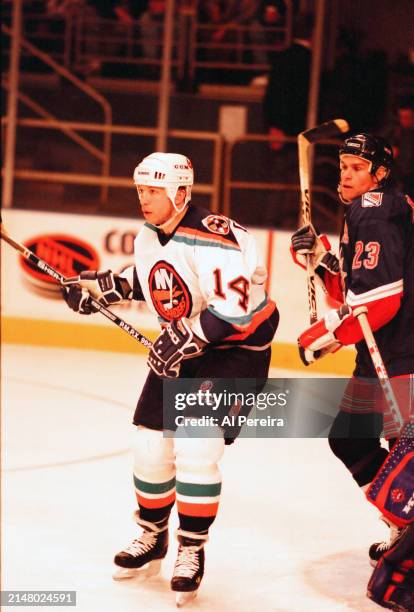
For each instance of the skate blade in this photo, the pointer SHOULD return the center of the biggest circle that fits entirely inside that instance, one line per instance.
(183, 598)
(141, 573)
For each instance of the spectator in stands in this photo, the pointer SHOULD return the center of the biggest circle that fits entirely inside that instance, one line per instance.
(62, 7)
(262, 16)
(151, 24)
(210, 17)
(234, 13)
(269, 14)
(286, 97)
(363, 104)
(401, 136)
(107, 22)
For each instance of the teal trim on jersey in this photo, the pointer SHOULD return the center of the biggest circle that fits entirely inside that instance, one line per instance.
(196, 241)
(239, 320)
(150, 487)
(198, 490)
(204, 242)
(150, 226)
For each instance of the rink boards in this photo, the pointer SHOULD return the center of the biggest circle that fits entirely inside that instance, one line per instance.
(33, 312)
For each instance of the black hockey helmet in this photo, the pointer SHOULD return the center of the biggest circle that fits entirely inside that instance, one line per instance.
(372, 148)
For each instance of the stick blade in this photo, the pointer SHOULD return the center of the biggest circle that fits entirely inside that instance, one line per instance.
(342, 125)
(329, 129)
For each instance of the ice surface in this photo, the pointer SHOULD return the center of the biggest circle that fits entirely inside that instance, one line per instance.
(292, 530)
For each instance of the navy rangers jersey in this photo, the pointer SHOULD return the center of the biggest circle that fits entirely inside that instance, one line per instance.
(209, 271)
(377, 264)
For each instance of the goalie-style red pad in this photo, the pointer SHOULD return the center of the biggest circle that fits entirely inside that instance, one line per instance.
(392, 586)
(392, 490)
(392, 582)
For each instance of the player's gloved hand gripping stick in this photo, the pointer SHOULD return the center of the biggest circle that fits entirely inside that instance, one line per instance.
(47, 269)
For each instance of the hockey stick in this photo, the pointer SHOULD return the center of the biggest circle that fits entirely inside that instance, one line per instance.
(378, 363)
(305, 140)
(395, 474)
(47, 269)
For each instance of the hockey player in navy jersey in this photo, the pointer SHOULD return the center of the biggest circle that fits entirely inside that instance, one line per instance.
(375, 269)
(201, 274)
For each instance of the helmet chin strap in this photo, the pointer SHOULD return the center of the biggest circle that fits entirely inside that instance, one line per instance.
(381, 182)
(177, 215)
(341, 196)
(173, 219)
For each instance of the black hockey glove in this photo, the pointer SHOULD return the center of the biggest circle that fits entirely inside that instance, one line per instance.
(308, 241)
(78, 299)
(175, 342)
(303, 240)
(106, 287)
(329, 262)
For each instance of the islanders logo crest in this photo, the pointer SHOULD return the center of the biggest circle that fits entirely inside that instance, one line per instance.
(169, 293)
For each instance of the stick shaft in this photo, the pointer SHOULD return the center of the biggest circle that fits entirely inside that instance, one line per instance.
(303, 152)
(305, 140)
(378, 363)
(47, 269)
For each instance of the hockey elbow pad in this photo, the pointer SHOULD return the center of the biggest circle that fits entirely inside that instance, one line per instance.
(319, 339)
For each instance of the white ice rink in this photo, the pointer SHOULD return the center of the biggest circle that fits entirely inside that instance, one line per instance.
(291, 534)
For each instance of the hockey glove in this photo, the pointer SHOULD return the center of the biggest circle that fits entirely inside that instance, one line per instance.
(106, 287)
(176, 342)
(319, 339)
(78, 299)
(308, 241)
(303, 240)
(328, 262)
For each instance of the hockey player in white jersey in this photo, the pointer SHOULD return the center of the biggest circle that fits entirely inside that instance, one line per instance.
(201, 274)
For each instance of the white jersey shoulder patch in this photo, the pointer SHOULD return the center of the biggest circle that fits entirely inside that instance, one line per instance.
(217, 224)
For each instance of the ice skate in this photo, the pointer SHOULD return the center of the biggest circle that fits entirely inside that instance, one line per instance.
(379, 548)
(142, 558)
(189, 566)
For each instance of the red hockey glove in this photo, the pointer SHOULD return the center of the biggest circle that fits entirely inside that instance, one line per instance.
(319, 339)
(175, 343)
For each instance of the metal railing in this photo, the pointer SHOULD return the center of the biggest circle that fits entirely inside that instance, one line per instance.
(212, 189)
(73, 128)
(229, 183)
(51, 33)
(83, 41)
(51, 122)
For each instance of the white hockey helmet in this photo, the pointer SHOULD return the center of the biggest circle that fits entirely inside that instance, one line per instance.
(168, 170)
